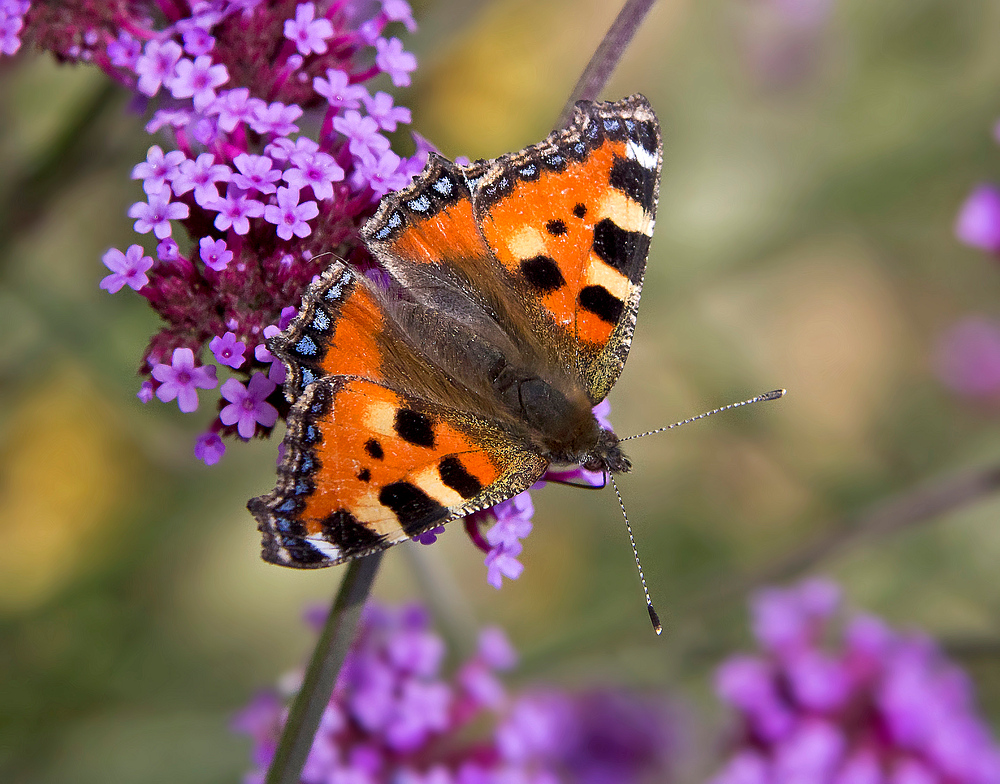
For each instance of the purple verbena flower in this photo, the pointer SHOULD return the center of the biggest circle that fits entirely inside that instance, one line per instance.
(873, 706)
(382, 174)
(399, 11)
(381, 109)
(235, 210)
(255, 173)
(231, 107)
(209, 448)
(262, 353)
(174, 117)
(223, 152)
(513, 523)
(275, 118)
(201, 176)
(365, 140)
(338, 90)
(156, 65)
(318, 172)
(197, 80)
(227, 350)
(157, 169)
(393, 60)
(296, 153)
(289, 215)
(248, 405)
(429, 537)
(308, 33)
(11, 23)
(156, 213)
(198, 41)
(125, 51)
(214, 253)
(182, 379)
(127, 269)
(146, 391)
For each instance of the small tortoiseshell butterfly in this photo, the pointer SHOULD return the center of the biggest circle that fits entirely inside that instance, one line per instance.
(453, 382)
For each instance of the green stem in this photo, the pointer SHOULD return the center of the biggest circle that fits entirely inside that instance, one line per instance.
(317, 685)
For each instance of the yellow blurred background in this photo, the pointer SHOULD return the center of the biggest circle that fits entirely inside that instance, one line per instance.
(812, 175)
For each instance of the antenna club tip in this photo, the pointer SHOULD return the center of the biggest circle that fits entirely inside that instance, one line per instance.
(774, 394)
(655, 619)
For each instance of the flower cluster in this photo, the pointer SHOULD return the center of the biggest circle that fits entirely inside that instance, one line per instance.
(275, 153)
(394, 717)
(876, 706)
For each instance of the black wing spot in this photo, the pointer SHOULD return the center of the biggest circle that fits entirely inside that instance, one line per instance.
(414, 509)
(634, 180)
(580, 210)
(542, 274)
(374, 448)
(602, 303)
(647, 137)
(454, 475)
(365, 475)
(414, 427)
(555, 227)
(343, 529)
(623, 250)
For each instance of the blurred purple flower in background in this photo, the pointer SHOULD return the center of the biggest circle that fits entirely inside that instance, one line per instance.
(228, 84)
(858, 705)
(967, 357)
(978, 222)
(394, 716)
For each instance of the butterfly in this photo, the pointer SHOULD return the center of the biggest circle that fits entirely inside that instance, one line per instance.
(502, 313)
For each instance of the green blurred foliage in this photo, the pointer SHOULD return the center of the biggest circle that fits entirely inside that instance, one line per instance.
(804, 240)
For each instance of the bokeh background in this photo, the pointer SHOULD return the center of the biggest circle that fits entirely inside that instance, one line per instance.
(815, 160)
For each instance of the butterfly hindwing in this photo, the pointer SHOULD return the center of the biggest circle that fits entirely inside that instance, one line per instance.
(366, 466)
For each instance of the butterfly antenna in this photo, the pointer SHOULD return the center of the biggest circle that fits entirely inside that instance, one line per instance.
(774, 394)
(653, 617)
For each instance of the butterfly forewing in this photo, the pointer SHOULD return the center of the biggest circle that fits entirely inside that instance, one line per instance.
(570, 221)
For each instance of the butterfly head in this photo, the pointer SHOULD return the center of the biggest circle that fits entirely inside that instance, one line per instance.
(607, 455)
(596, 449)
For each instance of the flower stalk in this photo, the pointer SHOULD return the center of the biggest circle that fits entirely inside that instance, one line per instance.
(321, 675)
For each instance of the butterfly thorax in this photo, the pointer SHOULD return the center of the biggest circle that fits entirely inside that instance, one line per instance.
(562, 423)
